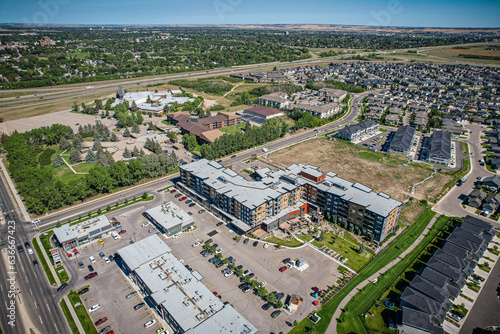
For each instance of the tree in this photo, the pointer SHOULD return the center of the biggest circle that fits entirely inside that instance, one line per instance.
(279, 304)
(114, 137)
(63, 144)
(271, 298)
(255, 284)
(284, 129)
(97, 145)
(246, 278)
(91, 157)
(134, 106)
(361, 248)
(371, 237)
(320, 236)
(58, 161)
(98, 104)
(74, 156)
(295, 323)
(126, 133)
(75, 106)
(139, 118)
(248, 126)
(77, 143)
(135, 128)
(126, 153)
(84, 107)
(262, 291)
(351, 228)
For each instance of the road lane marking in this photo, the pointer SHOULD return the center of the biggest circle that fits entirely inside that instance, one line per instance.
(1, 287)
(49, 308)
(31, 292)
(41, 319)
(36, 306)
(57, 329)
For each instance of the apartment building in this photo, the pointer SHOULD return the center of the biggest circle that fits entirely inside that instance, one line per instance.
(357, 131)
(285, 194)
(332, 95)
(402, 142)
(277, 100)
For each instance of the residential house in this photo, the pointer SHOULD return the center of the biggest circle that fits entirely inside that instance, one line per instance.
(440, 148)
(491, 183)
(476, 198)
(402, 141)
(356, 131)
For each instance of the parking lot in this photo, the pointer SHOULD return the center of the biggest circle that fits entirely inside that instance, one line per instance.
(110, 286)
(263, 262)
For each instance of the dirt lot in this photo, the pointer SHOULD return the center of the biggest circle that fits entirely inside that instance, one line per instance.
(379, 171)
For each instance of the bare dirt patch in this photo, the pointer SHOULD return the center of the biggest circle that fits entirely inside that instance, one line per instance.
(380, 171)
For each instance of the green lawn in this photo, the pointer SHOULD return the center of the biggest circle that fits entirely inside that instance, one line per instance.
(234, 128)
(346, 248)
(42, 261)
(63, 275)
(69, 318)
(82, 314)
(83, 167)
(292, 242)
(63, 173)
(45, 240)
(392, 251)
(371, 294)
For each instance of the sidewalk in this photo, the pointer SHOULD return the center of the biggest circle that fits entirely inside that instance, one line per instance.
(332, 328)
(24, 213)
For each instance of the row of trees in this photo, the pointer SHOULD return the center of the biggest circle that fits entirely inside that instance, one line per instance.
(42, 191)
(230, 143)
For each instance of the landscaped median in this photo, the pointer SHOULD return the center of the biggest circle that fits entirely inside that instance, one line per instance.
(69, 318)
(44, 264)
(393, 251)
(82, 313)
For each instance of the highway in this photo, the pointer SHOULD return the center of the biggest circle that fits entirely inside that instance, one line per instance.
(33, 292)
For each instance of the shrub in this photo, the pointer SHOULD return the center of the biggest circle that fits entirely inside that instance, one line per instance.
(45, 158)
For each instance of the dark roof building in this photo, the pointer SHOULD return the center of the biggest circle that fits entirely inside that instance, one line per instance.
(416, 300)
(402, 142)
(263, 112)
(464, 265)
(356, 131)
(429, 289)
(413, 321)
(443, 281)
(491, 183)
(440, 148)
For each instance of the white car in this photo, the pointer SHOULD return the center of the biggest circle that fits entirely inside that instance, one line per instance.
(92, 259)
(94, 308)
(146, 224)
(266, 245)
(175, 236)
(229, 273)
(30, 251)
(106, 260)
(150, 323)
(196, 244)
(220, 250)
(262, 284)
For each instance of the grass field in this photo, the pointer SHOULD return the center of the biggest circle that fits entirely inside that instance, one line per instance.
(454, 53)
(63, 173)
(69, 318)
(392, 251)
(234, 128)
(347, 247)
(83, 167)
(82, 314)
(292, 242)
(382, 172)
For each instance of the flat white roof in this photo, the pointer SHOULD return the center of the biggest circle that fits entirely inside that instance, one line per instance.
(87, 228)
(169, 215)
(143, 251)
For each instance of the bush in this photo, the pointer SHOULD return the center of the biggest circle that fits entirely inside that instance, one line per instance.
(217, 107)
(45, 158)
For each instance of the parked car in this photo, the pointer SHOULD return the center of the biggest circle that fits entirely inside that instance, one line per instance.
(130, 295)
(122, 232)
(286, 260)
(246, 272)
(201, 211)
(220, 250)
(80, 264)
(91, 275)
(94, 308)
(182, 198)
(196, 244)
(275, 314)
(145, 224)
(150, 323)
(247, 288)
(105, 330)
(178, 195)
(173, 191)
(192, 204)
(91, 269)
(266, 306)
(255, 243)
(101, 321)
(151, 230)
(139, 306)
(246, 241)
(219, 223)
(92, 259)
(82, 291)
(282, 269)
(189, 201)
(175, 236)
(266, 245)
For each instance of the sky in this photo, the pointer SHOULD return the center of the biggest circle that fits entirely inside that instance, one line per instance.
(410, 13)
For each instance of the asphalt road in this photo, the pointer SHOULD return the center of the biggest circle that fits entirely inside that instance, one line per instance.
(35, 295)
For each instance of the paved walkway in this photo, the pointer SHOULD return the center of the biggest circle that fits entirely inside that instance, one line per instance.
(332, 329)
(24, 213)
(58, 282)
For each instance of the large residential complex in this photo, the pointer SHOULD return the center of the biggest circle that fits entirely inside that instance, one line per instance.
(440, 148)
(284, 194)
(205, 129)
(177, 294)
(357, 131)
(402, 142)
(431, 293)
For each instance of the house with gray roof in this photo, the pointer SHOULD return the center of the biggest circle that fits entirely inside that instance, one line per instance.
(356, 131)
(440, 148)
(402, 141)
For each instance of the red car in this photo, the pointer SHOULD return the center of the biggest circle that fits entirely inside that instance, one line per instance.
(122, 231)
(75, 251)
(315, 289)
(282, 269)
(89, 276)
(101, 321)
(173, 191)
(182, 198)
(70, 255)
(111, 332)
(215, 293)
